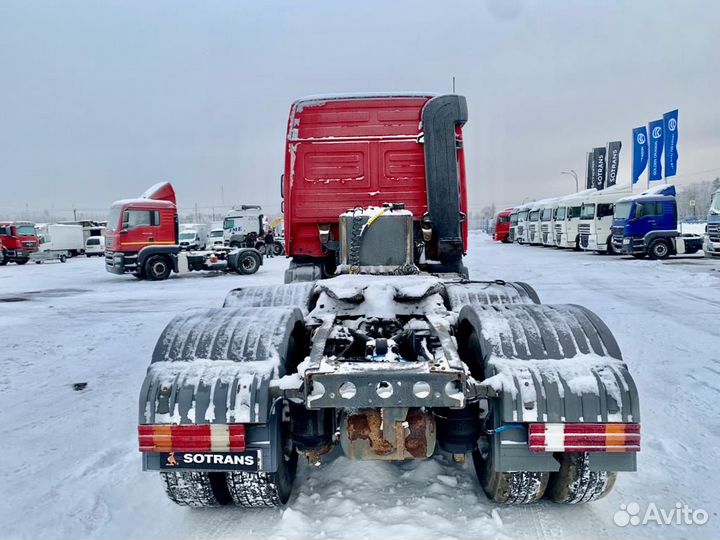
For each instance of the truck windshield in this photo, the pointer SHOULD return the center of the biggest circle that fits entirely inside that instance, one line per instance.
(503, 219)
(228, 224)
(715, 206)
(535, 215)
(622, 210)
(187, 235)
(114, 218)
(26, 230)
(587, 211)
(546, 214)
(522, 216)
(513, 219)
(573, 212)
(560, 213)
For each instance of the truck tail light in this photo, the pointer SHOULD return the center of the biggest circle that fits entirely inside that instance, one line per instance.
(614, 437)
(192, 438)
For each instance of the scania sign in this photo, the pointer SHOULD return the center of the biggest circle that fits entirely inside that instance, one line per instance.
(218, 461)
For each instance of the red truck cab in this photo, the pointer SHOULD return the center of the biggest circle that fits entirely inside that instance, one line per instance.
(18, 240)
(348, 151)
(502, 226)
(134, 224)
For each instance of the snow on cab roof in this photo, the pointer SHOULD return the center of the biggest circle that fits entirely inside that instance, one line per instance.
(320, 99)
(667, 190)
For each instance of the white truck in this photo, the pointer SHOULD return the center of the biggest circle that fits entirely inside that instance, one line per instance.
(567, 218)
(216, 238)
(193, 237)
(547, 211)
(62, 239)
(243, 226)
(596, 217)
(521, 228)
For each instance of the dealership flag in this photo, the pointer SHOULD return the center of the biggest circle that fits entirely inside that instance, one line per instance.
(640, 152)
(589, 170)
(599, 167)
(670, 127)
(613, 162)
(655, 130)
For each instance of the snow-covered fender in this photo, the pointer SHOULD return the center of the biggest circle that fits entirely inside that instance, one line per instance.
(300, 295)
(548, 364)
(214, 366)
(472, 293)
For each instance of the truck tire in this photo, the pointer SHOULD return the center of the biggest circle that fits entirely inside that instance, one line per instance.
(260, 246)
(278, 248)
(235, 244)
(509, 487)
(692, 251)
(157, 268)
(247, 263)
(196, 489)
(575, 483)
(21, 261)
(63, 258)
(4, 259)
(263, 489)
(659, 249)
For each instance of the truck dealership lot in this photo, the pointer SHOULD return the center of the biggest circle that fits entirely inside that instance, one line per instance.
(71, 459)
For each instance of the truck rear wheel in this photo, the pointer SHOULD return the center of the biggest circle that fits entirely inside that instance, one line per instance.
(264, 489)
(21, 261)
(509, 487)
(157, 268)
(659, 249)
(575, 483)
(278, 248)
(196, 489)
(248, 263)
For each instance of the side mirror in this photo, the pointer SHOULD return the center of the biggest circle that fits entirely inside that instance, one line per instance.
(123, 231)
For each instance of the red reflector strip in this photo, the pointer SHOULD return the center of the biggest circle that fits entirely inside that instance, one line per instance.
(191, 438)
(614, 437)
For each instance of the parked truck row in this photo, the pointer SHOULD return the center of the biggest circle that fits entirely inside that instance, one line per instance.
(613, 220)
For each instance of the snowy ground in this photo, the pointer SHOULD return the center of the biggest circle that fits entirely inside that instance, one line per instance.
(72, 468)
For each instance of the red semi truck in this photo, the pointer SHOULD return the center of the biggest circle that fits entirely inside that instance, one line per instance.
(18, 240)
(395, 353)
(502, 226)
(380, 160)
(142, 239)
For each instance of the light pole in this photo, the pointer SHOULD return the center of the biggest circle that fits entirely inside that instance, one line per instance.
(574, 175)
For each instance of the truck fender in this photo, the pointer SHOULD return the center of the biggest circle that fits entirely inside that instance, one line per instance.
(553, 363)
(653, 235)
(147, 251)
(234, 255)
(214, 366)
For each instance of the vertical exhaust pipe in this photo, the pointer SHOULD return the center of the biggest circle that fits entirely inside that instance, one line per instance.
(440, 115)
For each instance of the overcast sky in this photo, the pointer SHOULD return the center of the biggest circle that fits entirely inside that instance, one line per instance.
(99, 99)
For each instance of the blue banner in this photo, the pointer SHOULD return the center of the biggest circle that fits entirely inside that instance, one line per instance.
(655, 130)
(640, 152)
(670, 127)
